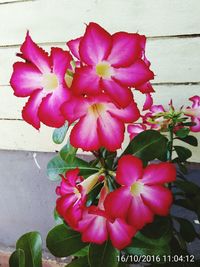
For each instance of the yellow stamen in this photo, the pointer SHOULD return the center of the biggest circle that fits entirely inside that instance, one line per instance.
(97, 109)
(137, 188)
(50, 81)
(103, 70)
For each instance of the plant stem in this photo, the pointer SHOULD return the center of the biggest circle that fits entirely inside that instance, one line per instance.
(171, 141)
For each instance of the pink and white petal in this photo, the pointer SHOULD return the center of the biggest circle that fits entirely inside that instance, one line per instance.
(95, 45)
(158, 199)
(74, 46)
(95, 231)
(117, 202)
(25, 79)
(36, 55)
(75, 108)
(135, 129)
(73, 216)
(120, 233)
(63, 203)
(72, 176)
(139, 214)
(30, 110)
(125, 50)
(129, 170)
(84, 136)
(136, 74)
(129, 114)
(50, 109)
(195, 128)
(85, 81)
(196, 101)
(145, 88)
(159, 174)
(107, 125)
(122, 96)
(157, 109)
(61, 62)
(148, 102)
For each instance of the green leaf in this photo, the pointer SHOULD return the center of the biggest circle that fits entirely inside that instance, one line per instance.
(57, 218)
(68, 152)
(80, 262)
(82, 253)
(183, 153)
(57, 166)
(103, 255)
(183, 132)
(187, 230)
(188, 187)
(62, 241)
(60, 133)
(147, 145)
(17, 259)
(184, 203)
(31, 244)
(190, 139)
(91, 197)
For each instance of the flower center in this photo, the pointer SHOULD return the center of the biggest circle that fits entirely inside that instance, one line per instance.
(136, 188)
(77, 193)
(97, 109)
(50, 81)
(103, 69)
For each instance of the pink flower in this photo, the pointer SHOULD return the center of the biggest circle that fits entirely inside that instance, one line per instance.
(194, 113)
(112, 63)
(72, 191)
(42, 78)
(100, 122)
(135, 129)
(97, 226)
(142, 193)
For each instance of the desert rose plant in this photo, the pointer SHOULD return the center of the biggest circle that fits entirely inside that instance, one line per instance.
(115, 208)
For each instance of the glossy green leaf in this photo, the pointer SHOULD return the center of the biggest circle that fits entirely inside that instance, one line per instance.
(188, 187)
(147, 145)
(183, 153)
(103, 255)
(31, 244)
(187, 230)
(80, 262)
(60, 133)
(82, 253)
(17, 259)
(63, 242)
(68, 152)
(190, 139)
(183, 132)
(57, 218)
(58, 166)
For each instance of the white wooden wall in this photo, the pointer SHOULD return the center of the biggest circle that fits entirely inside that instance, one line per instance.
(173, 46)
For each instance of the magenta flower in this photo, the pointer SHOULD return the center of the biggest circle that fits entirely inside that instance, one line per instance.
(194, 113)
(142, 193)
(112, 63)
(42, 78)
(97, 226)
(100, 122)
(72, 191)
(135, 129)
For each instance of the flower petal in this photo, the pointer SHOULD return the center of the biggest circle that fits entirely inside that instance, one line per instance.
(158, 199)
(135, 129)
(72, 176)
(25, 79)
(85, 81)
(63, 203)
(129, 170)
(117, 202)
(36, 55)
(139, 214)
(83, 136)
(74, 46)
(148, 102)
(119, 94)
(120, 233)
(145, 88)
(159, 173)
(195, 128)
(30, 110)
(136, 74)
(125, 50)
(50, 108)
(107, 125)
(95, 45)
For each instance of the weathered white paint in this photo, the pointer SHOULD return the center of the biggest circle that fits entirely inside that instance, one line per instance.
(173, 60)
(53, 20)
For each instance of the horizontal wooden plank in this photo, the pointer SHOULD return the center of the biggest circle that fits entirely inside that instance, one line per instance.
(52, 20)
(3, 2)
(173, 60)
(11, 106)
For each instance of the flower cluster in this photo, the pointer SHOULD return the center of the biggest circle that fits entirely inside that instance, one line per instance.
(89, 85)
(121, 213)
